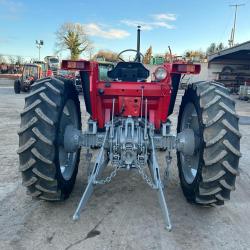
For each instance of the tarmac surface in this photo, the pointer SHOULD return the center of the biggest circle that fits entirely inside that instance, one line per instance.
(124, 214)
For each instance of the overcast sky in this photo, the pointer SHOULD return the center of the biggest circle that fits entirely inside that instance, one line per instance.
(192, 24)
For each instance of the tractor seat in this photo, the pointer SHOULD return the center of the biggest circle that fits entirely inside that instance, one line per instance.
(129, 72)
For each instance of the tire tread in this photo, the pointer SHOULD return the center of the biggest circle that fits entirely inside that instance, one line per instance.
(221, 152)
(37, 138)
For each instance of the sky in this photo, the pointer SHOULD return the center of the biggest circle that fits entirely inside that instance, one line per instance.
(111, 24)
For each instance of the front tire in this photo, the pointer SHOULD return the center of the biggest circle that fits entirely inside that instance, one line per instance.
(17, 87)
(49, 108)
(214, 165)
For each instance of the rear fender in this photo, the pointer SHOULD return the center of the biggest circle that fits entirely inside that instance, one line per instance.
(177, 69)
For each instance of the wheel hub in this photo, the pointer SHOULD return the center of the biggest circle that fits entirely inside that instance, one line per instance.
(67, 153)
(188, 142)
(71, 140)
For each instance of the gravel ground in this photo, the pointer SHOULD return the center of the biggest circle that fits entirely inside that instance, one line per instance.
(122, 215)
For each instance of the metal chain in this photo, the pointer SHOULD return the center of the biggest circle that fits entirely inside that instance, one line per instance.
(166, 172)
(145, 177)
(109, 178)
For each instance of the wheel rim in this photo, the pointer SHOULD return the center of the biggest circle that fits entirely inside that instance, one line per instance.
(190, 163)
(67, 160)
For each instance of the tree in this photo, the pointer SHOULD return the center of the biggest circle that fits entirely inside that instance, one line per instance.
(2, 59)
(12, 59)
(20, 60)
(195, 54)
(220, 46)
(147, 56)
(72, 37)
(213, 48)
(106, 55)
(90, 52)
(167, 57)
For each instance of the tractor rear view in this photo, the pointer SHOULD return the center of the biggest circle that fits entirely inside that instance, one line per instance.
(129, 122)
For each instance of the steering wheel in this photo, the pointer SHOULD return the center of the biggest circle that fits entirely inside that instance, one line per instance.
(126, 50)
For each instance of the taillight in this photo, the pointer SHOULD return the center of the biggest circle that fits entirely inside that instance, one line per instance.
(186, 68)
(73, 65)
(50, 72)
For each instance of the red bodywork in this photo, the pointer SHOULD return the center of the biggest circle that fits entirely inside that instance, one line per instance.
(128, 95)
(49, 73)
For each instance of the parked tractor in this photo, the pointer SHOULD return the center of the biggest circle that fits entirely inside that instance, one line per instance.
(53, 63)
(30, 74)
(129, 122)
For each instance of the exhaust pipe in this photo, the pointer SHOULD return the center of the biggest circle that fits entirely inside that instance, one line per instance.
(138, 56)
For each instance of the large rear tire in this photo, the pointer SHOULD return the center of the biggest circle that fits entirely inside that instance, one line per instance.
(48, 171)
(208, 176)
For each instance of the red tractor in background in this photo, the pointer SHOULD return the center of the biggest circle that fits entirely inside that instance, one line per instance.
(129, 121)
(31, 72)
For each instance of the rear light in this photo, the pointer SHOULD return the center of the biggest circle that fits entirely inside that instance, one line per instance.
(49, 72)
(161, 73)
(73, 65)
(186, 68)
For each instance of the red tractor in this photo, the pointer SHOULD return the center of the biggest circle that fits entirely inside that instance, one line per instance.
(129, 121)
(31, 73)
